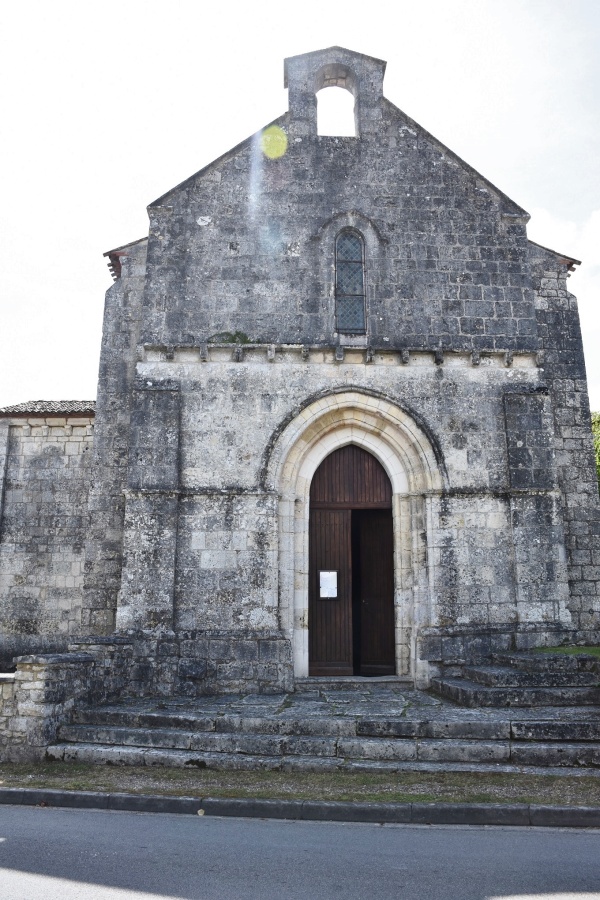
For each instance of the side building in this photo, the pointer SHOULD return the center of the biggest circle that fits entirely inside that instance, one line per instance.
(45, 476)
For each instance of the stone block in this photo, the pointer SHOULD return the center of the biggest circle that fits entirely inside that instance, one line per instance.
(463, 751)
(236, 672)
(267, 673)
(252, 725)
(195, 669)
(478, 730)
(254, 808)
(550, 730)
(564, 817)
(309, 746)
(399, 728)
(400, 750)
(340, 811)
(270, 650)
(220, 650)
(245, 651)
(218, 559)
(138, 803)
(555, 754)
(469, 814)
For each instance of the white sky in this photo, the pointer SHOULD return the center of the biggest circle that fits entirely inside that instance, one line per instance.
(105, 106)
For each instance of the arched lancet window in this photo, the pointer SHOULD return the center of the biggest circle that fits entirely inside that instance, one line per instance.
(350, 282)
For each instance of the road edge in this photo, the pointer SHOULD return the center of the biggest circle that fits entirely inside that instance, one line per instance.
(315, 810)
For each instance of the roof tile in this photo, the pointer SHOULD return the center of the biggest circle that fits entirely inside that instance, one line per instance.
(50, 407)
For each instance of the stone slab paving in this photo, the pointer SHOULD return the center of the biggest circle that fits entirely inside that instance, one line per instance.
(361, 702)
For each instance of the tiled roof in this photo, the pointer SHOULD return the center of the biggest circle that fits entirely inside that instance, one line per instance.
(51, 408)
(114, 257)
(569, 261)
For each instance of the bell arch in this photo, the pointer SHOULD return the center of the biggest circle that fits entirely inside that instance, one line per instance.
(343, 79)
(335, 113)
(416, 473)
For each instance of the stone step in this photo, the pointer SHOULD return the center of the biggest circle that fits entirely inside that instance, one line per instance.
(523, 729)
(545, 730)
(514, 758)
(396, 749)
(378, 727)
(556, 754)
(547, 662)
(384, 727)
(225, 723)
(205, 741)
(507, 676)
(584, 727)
(471, 694)
(350, 682)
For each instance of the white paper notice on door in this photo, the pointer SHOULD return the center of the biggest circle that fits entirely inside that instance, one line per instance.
(327, 584)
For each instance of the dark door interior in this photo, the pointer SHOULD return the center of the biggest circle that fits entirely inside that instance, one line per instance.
(351, 574)
(373, 592)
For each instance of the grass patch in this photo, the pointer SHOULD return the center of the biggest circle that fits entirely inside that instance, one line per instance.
(571, 651)
(403, 787)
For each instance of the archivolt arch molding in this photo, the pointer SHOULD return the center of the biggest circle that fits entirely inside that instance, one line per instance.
(378, 425)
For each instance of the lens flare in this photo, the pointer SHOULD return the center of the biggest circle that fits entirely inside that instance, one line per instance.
(273, 142)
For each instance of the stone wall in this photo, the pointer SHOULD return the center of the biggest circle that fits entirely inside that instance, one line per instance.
(118, 356)
(486, 530)
(188, 663)
(227, 562)
(45, 463)
(450, 648)
(39, 698)
(7, 712)
(564, 373)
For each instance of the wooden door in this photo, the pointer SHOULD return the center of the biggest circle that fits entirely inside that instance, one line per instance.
(351, 541)
(330, 618)
(373, 557)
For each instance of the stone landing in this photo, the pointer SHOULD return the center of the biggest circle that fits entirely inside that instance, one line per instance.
(359, 724)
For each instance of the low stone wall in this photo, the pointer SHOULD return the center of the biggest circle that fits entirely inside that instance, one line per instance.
(7, 710)
(192, 664)
(37, 699)
(449, 649)
(41, 694)
(45, 688)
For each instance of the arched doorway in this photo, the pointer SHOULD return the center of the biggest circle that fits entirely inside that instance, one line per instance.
(416, 472)
(351, 567)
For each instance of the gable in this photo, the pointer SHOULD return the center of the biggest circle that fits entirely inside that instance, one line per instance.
(246, 245)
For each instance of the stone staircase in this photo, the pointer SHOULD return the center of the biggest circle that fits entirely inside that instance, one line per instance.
(526, 679)
(380, 727)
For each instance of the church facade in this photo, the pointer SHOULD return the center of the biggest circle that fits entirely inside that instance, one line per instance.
(342, 425)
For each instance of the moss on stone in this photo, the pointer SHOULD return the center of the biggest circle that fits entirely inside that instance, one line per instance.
(571, 651)
(228, 337)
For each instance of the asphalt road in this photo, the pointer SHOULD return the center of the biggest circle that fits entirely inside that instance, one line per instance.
(62, 854)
